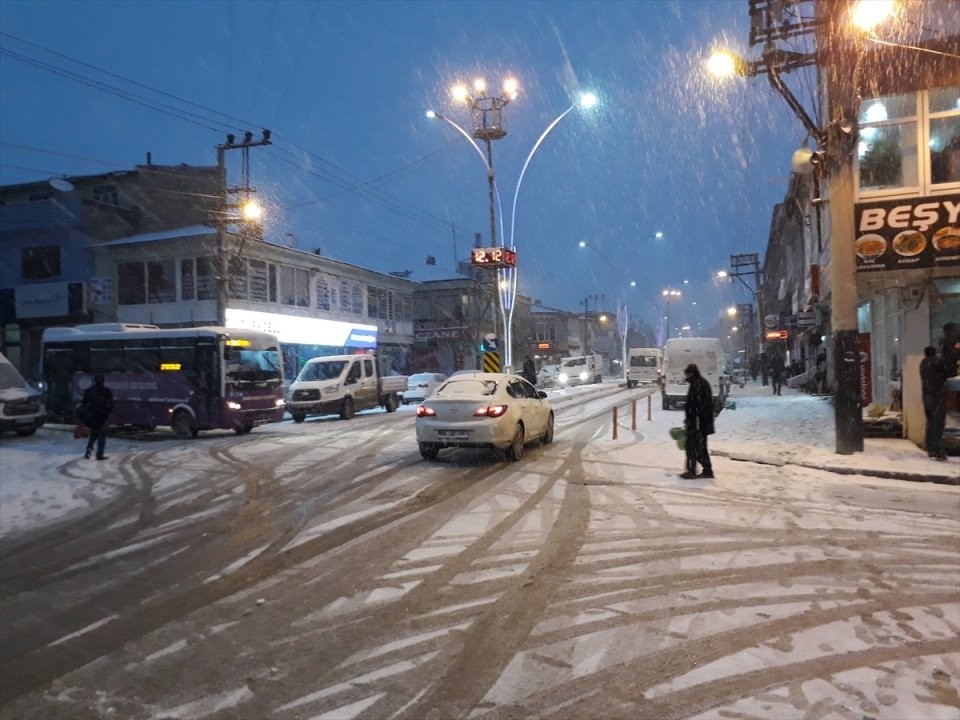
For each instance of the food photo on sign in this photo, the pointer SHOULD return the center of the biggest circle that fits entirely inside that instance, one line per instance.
(899, 234)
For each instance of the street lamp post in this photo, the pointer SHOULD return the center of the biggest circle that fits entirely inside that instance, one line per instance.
(668, 295)
(832, 161)
(487, 116)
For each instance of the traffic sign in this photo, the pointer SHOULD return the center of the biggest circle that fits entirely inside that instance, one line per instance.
(806, 319)
(491, 362)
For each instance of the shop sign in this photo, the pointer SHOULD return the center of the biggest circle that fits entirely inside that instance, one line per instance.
(906, 234)
(451, 333)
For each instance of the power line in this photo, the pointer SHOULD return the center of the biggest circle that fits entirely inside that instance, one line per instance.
(340, 177)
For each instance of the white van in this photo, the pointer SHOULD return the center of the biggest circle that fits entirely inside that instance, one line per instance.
(644, 366)
(580, 370)
(21, 406)
(708, 355)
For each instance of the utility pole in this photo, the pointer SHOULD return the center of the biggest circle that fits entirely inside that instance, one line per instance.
(749, 264)
(586, 320)
(225, 214)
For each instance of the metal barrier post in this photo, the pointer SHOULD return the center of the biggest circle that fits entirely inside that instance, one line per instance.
(649, 408)
(614, 422)
(633, 414)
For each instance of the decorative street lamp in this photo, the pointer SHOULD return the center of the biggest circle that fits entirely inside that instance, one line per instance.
(488, 125)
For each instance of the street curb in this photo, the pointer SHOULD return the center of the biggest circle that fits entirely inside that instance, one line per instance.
(840, 470)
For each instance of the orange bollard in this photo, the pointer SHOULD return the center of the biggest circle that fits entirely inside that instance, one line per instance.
(633, 414)
(614, 422)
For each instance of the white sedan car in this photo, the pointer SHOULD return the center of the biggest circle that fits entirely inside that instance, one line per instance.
(422, 385)
(484, 410)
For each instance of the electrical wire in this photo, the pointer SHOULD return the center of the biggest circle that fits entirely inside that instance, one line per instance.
(346, 184)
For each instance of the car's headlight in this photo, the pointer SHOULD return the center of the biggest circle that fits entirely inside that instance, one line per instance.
(584, 375)
(233, 405)
(562, 377)
(332, 389)
(279, 402)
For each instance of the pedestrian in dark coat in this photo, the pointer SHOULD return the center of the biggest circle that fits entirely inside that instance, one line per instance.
(530, 370)
(698, 423)
(777, 371)
(933, 382)
(95, 409)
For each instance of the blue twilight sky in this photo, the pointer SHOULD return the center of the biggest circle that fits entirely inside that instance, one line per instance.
(358, 170)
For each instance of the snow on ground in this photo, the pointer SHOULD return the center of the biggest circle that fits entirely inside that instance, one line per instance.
(45, 477)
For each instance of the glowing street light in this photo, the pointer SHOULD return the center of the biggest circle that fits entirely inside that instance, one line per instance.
(252, 210)
(867, 14)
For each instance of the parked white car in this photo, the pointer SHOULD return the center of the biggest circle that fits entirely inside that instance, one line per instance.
(484, 410)
(421, 386)
(547, 375)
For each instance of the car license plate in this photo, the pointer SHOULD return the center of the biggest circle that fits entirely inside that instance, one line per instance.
(454, 434)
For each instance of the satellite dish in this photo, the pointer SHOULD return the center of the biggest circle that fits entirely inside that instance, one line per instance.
(61, 184)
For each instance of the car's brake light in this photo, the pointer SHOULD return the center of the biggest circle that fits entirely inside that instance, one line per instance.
(424, 411)
(493, 411)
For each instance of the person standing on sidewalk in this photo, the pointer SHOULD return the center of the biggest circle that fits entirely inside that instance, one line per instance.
(933, 382)
(698, 423)
(95, 409)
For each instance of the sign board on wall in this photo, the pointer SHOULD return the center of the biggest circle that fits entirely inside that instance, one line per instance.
(304, 330)
(43, 300)
(908, 234)
(866, 389)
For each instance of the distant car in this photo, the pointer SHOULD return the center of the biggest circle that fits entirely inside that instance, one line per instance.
(421, 386)
(547, 377)
(484, 410)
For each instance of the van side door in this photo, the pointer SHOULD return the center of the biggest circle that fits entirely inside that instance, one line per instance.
(367, 394)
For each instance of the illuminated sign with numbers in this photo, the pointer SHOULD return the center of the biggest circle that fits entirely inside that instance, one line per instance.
(496, 257)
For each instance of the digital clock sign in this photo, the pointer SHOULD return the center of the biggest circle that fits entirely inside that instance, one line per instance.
(496, 257)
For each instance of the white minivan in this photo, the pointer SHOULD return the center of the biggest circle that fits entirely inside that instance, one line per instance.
(644, 366)
(708, 355)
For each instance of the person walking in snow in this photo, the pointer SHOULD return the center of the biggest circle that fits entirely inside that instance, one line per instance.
(777, 371)
(94, 411)
(698, 423)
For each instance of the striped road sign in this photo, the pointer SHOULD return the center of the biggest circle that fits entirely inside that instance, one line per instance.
(491, 362)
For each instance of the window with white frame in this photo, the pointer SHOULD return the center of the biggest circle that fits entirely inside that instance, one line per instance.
(141, 282)
(909, 143)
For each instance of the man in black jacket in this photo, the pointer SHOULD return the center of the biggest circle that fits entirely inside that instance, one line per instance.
(95, 409)
(698, 423)
(933, 381)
